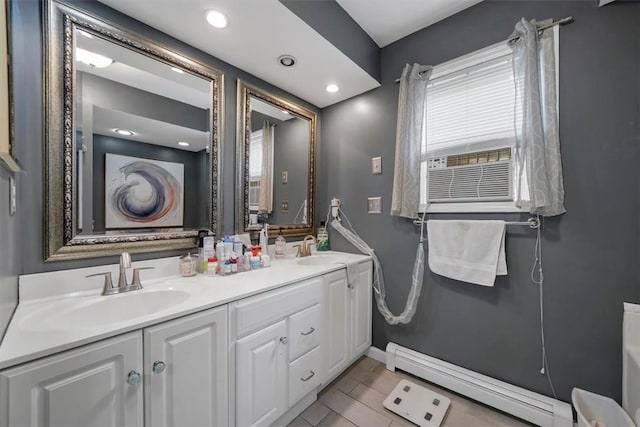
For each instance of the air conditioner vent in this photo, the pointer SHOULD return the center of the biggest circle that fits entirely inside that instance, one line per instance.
(481, 176)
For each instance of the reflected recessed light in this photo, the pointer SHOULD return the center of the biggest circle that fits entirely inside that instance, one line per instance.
(183, 144)
(287, 60)
(92, 59)
(285, 111)
(217, 19)
(84, 33)
(177, 70)
(332, 88)
(124, 132)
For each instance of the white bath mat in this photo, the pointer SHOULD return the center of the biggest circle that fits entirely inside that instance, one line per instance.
(417, 404)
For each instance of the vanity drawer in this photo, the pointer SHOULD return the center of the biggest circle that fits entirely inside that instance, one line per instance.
(262, 310)
(304, 331)
(304, 375)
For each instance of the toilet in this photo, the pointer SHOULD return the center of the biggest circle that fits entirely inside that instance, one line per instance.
(592, 407)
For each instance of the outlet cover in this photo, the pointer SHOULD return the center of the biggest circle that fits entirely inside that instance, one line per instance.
(284, 206)
(374, 205)
(376, 165)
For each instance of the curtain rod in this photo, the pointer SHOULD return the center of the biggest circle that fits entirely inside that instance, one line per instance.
(563, 21)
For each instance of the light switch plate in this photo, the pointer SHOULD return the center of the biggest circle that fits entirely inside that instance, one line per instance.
(376, 165)
(284, 206)
(374, 205)
(285, 177)
(12, 196)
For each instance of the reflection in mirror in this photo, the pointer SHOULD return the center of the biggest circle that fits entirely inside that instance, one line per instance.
(134, 163)
(276, 145)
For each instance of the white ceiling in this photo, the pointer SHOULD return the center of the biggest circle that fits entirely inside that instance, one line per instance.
(261, 30)
(387, 21)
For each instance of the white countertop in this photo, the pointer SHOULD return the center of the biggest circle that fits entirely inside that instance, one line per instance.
(28, 337)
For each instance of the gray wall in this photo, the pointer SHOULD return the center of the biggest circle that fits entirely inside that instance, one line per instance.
(291, 154)
(590, 254)
(196, 207)
(29, 125)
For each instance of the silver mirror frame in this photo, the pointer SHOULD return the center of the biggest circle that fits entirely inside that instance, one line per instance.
(59, 194)
(243, 135)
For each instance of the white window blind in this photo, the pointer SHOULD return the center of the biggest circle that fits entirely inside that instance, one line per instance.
(471, 105)
(255, 155)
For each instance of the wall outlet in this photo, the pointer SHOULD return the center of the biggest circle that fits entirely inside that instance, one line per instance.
(13, 195)
(284, 206)
(374, 205)
(285, 177)
(376, 165)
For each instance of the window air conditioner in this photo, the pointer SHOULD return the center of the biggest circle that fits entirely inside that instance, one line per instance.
(480, 176)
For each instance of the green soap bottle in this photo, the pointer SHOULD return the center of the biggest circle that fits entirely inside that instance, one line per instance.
(323, 238)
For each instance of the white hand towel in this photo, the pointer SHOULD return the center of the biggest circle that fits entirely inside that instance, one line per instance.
(470, 251)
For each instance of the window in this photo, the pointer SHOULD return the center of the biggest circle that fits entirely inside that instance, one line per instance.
(255, 169)
(468, 146)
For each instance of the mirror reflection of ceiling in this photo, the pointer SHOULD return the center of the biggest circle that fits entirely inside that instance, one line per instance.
(138, 71)
(253, 43)
(269, 110)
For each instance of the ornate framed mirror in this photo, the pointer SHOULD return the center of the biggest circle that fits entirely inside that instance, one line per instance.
(133, 141)
(276, 149)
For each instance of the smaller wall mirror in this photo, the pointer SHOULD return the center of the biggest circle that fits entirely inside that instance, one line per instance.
(276, 163)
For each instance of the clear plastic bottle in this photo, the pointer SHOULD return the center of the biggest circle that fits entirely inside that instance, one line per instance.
(280, 246)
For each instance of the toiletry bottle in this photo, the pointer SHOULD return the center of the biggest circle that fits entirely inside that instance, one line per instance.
(266, 260)
(323, 238)
(264, 239)
(212, 266)
(280, 246)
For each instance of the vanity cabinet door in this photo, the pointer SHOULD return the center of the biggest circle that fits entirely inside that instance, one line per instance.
(186, 371)
(337, 330)
(261, 376)
(95, 385)
(360, 311)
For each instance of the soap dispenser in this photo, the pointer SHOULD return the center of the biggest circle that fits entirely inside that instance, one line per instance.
(281, 246)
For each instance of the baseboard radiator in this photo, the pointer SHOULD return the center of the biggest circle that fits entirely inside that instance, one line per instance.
(527, 405)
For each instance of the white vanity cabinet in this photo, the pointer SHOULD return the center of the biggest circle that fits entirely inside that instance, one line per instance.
(178, 378)
(278, 357)
(348, 307)
(185, 369)
(95, 385)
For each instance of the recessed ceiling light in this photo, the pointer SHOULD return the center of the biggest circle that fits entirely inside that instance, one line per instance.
(217, 19)
(92, 59)
(183, 144)
(124, 132)
(177, 70)
(287, 60)
(84, 33)
(331, 88)
(285, 112)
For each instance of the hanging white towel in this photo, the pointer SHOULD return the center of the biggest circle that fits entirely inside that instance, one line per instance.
(470, 251)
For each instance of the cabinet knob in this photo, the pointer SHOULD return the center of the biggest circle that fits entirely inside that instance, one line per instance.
(133, 378)
(308, 377)
(284, 340)
(158, 367)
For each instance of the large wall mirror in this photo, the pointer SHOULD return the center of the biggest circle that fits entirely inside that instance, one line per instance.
(276, 152)
(133, 141)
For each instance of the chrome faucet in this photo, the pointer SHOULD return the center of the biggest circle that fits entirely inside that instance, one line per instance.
(304, 249)
(125, 264)
(123, 286)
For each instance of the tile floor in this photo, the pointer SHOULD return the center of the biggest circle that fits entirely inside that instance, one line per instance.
(355, 399)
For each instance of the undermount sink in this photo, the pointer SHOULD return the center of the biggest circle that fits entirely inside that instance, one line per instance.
(104, 310)
(321, 260)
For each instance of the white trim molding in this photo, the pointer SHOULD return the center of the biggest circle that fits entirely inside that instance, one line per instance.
(533, 407)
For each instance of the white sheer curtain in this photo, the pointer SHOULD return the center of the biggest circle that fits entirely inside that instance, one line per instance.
(265, 203)
(410, 132)
(539, 185)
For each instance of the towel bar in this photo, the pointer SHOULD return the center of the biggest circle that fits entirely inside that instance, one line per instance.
(532, 222)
